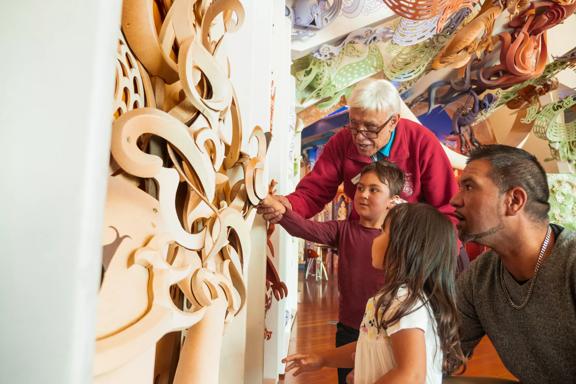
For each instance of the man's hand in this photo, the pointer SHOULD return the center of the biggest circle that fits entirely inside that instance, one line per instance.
(303, 363)
(273, 207)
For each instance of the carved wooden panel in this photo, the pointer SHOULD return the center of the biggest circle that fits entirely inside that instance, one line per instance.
(180, 201)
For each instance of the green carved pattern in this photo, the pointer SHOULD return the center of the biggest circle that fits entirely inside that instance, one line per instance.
(561, 136)
(329, 79)
(411, 62)
(562, 199)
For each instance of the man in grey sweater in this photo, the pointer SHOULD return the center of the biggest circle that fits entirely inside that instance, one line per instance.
(522, 293)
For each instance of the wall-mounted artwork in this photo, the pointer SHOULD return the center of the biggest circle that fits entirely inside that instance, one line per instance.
(181, 196)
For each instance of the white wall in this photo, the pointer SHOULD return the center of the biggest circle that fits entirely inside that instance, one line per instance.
(56, 95)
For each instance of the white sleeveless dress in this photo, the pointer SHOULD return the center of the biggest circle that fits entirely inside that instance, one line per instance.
(374, 355)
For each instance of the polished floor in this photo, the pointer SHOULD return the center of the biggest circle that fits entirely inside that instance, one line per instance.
(315, 326)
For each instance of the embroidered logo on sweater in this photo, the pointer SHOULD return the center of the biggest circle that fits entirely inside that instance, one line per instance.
(408, 188)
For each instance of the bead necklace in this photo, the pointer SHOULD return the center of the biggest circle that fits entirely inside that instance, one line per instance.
(533, 281)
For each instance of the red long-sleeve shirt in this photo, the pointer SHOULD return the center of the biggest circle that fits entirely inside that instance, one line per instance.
(415, 150)
(357, 279)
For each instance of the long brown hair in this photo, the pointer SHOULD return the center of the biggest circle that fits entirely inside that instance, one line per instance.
(421, 255)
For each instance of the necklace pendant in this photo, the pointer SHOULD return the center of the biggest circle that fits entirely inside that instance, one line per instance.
(524, 302)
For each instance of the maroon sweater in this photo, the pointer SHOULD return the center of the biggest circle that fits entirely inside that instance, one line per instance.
(357, 279)
(415, 150)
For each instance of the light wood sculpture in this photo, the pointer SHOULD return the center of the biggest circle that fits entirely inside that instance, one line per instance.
(274, 284)
(180, 200)
(473, 39)
(275, 287)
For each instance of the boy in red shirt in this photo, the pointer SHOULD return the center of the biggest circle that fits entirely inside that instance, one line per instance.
(377, 191)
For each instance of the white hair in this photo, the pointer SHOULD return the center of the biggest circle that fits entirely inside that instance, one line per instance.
(375, 95)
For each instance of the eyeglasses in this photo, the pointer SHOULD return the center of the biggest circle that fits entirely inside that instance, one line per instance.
(370, 132)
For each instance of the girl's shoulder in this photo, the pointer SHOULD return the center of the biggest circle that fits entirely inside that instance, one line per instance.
(402, 294)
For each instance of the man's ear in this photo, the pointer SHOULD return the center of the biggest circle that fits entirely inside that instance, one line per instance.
(515, 200)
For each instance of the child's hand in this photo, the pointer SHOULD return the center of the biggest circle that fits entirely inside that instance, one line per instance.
(272, 208)
(350, 377)
(303, 362)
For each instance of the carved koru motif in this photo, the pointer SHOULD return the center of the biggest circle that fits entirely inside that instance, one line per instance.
(180, 201)
(567, 60)
(561, 136)
(524, 52)
(473, 39)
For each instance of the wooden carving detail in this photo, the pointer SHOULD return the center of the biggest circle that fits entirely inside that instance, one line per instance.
(418, 9)
(524, 52)
(472, 39)
(180, 202)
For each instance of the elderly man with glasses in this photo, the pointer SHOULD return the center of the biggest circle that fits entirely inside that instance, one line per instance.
(376, 131)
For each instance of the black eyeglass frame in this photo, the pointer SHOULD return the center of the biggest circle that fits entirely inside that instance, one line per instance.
(368, 133)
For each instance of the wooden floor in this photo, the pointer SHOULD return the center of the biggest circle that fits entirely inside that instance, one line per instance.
(315, 326)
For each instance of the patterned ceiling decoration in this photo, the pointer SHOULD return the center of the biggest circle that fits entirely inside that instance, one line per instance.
(364, 36)
(312, 114)
(327, 74)
(314, 14)
(416, 9)
(411, 32)
(328, 79)
(561, 136)
(455, 13)
(530, 93)
(354, 8)
(563, 199)
(524, 52)
(565, 2)
(567, 60)
(473, 39)
(408, 63)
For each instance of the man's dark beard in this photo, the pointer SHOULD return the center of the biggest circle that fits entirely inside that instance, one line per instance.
(477, 237)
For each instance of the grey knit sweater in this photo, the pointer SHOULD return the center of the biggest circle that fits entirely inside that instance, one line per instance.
(538, 342)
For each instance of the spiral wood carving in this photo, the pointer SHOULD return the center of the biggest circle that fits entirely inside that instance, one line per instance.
(473, 39)
(180, 200)
(524, 52)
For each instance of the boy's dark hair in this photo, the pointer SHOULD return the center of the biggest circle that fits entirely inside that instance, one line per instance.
(514, 167)
(388, 173)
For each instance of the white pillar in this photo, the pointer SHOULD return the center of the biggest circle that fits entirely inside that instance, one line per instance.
(56, 91)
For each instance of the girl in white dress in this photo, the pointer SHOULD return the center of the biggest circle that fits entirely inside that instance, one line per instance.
(409, 333)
